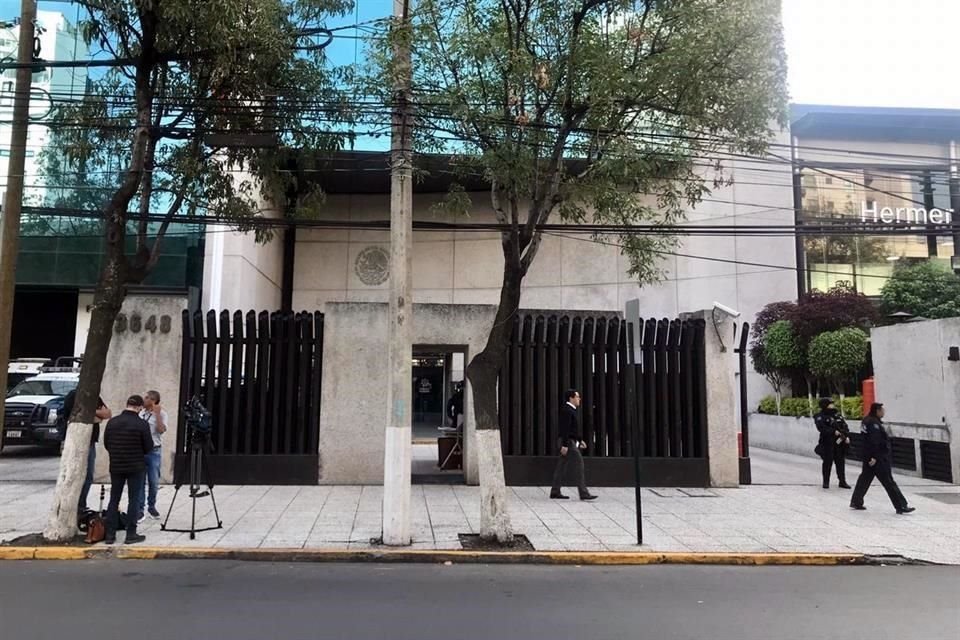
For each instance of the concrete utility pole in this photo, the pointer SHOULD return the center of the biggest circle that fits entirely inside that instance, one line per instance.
(399, 448)
(10, 223)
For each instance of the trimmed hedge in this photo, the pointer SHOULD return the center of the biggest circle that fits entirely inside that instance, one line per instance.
(799, 407)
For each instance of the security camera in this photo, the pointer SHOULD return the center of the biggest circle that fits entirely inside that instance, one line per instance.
(733, 313)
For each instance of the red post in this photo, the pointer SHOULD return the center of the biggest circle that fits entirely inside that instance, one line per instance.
(869, 394)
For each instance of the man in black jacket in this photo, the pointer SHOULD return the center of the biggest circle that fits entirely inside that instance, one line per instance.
(877, 462)
(570, 446)
(834, 439)
(127, 438)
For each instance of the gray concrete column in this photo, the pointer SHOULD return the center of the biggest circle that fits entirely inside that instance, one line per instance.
(722, 427)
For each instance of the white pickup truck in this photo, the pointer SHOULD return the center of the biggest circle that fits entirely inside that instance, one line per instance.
(33, 406)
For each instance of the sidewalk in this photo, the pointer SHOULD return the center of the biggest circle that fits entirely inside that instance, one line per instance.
(797, 516)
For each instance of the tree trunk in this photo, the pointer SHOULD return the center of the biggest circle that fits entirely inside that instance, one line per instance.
(62, 525)
(482, 374)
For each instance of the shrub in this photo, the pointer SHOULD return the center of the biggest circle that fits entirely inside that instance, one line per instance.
(802, 407)
(836, 356)
(839, 308)
(926, 289)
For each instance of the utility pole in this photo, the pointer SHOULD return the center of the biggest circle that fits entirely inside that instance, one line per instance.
(955, 202)
(399, 447)
(10, 216)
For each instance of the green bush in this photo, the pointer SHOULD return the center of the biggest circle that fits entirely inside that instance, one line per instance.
(801, 408)
(836, 356)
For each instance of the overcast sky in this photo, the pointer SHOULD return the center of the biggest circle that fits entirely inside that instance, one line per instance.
(882, 53)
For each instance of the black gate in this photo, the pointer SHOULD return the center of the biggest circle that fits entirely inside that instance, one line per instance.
(662, 397)
(260, 377)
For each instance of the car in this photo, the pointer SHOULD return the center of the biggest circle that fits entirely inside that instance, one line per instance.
(33, 407)
(22, 368)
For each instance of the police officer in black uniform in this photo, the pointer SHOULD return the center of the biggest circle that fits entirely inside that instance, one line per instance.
(834, 440)
(877, 461)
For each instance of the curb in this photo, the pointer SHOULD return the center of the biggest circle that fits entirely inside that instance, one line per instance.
(624, 558)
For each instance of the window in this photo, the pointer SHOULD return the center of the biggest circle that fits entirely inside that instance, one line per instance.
(44, 388)
(867, 261)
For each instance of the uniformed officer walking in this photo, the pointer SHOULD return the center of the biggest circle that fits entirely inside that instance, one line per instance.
(834, 440)
(877, 461)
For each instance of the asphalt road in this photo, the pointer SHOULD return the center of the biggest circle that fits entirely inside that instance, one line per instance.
(235, 601)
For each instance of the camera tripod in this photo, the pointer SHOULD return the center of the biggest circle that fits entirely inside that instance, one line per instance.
(198, 455)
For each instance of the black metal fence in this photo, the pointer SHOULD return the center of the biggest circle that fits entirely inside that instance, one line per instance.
(260, 376)
(657, 405)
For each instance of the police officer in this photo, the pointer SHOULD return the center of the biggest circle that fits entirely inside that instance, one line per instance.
(834, 440)
(877, 462)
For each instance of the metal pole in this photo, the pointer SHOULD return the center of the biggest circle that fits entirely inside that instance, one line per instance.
(744, 408)
(955, 194)
(798, 218)
(638, 498)
(10, 225)
(399, 448)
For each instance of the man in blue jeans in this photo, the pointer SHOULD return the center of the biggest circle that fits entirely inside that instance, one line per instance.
(156, 417)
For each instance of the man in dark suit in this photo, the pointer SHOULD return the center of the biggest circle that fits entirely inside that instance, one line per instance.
(127, 439)
(570, 446)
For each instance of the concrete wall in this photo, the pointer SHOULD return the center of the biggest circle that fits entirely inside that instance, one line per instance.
(143, 360)
(916, 382)
(798, 436)
(722, 425)
(239, 273)
(784, 433)
(353, 411)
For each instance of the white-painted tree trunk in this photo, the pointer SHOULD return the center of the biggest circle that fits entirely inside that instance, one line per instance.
(494, 518)
(62, 525)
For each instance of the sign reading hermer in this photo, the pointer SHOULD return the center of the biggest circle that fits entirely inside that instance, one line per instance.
(908, 215)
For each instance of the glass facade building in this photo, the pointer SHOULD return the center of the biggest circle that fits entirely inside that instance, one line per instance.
(874, 166)
(58, 251)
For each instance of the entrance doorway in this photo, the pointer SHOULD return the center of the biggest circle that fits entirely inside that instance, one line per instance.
(44, 322)
(438, 442)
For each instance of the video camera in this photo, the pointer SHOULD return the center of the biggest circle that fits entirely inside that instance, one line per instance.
(199, 420)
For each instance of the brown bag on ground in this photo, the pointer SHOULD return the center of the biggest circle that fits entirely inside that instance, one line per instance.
(96, 525)
(96, 530)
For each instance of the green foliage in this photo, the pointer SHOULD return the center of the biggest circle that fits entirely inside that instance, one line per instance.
(173, 132)
(781, 347)
(589, 111)
(926, 289)
(803, 407)
(840, 307)
(836, 356)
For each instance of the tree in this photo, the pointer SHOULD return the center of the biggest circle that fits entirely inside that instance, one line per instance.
(926, 289)
(204, 100)
(838, 308)
(575, 110)
(782, 356)
(836, 356)
(771, 313)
